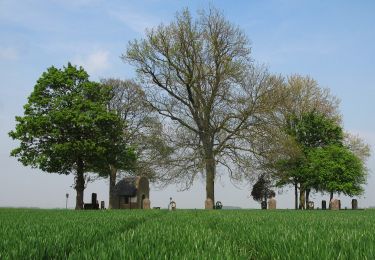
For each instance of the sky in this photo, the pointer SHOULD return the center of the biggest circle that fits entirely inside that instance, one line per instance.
(331, 41)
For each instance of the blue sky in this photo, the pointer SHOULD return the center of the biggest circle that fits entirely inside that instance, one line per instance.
(332, 41)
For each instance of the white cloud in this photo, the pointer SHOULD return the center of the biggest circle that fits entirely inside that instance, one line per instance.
(94, 62)
(8, 54)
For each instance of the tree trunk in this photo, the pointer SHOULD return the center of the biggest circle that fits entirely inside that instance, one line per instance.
(112, 183)
(307, 195)
(79, 185)
(296, 195)
(210, 179)
(330, 198)
(301, 198)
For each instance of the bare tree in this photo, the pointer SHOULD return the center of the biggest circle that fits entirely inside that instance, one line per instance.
(143, 132)
(198, 73)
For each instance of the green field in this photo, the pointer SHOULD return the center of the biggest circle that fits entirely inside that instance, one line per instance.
(187, 234)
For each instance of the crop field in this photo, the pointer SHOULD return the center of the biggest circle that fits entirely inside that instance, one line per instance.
(186, 234)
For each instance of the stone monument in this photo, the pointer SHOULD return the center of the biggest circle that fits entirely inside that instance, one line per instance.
(272, 203)
(354, 204)
(334, 204)
(146, 203)
(324, 204)
(208, 204)
(173, 206)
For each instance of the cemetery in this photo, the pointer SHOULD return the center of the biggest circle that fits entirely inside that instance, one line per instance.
(253, 118)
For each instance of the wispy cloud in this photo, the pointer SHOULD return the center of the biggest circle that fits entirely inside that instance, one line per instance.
(135, 20)
(8, 54)
(94, 62)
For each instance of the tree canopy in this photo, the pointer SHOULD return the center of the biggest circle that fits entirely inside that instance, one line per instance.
(336, 169)
(324, 163)
(261, 190)
(199, 75)
(66, 127)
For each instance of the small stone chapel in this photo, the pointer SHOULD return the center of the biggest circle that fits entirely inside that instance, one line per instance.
(132, 193)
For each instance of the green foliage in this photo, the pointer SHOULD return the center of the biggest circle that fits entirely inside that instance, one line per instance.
(336, 169)
(325, 164)
(66, 120)
(309, 131)
(313, 130)
(215, 234)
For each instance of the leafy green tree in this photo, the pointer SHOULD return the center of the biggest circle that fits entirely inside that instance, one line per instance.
(277, 150)
(310, 131)
(314, 129)
(66, 127)
(328, 161)
(336, 169)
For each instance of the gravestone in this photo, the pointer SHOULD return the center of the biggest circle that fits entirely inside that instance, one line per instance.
(173, 206)
(334, 204)
(264, 204)
(146, 203)
(102, 205)
(93, 198)
(339, 204)
(272, 203)
(354, 204)
(324, 204)
(208, 204)
(310, 205)
(218, 205)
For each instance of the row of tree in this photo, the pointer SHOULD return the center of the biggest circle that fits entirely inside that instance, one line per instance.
(202, 106)
(321, 158)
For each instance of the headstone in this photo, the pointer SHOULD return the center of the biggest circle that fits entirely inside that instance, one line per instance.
(93, 198)
(173, 205)
(324, 204)
(218, 205)
(354, 204)
(334, 204)
(208, 204)
(146, 203)
(264, 204)
(310, 205)
(102, 205)
(339, 204)
(272, 203)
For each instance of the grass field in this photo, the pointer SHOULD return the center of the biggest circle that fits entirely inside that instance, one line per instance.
(187, 234)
